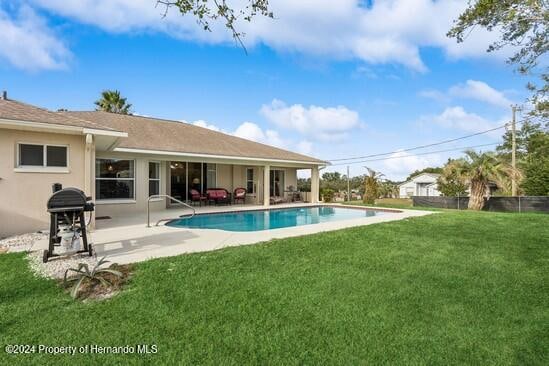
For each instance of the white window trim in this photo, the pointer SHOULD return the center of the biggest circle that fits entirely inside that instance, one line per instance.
(106, 201)
(159, 180)
(212, 170)
(283, 180)
(44, 168)
(253, 182)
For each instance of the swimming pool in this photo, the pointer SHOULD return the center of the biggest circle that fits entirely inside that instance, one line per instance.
(257, 220)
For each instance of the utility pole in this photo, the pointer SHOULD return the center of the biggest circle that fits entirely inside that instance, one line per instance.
(348, 186)
(514, 151)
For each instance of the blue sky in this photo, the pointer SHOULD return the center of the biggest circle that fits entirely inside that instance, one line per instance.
(330, 80)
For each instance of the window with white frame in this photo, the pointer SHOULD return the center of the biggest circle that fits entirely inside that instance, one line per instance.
(211, 175)
(154, 178)
(250, 184)
(42, 156)
(114, 179)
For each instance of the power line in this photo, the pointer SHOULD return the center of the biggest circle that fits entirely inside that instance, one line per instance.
(422, 146)
(425, 153)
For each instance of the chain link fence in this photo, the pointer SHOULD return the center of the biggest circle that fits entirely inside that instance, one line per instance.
(497, 204)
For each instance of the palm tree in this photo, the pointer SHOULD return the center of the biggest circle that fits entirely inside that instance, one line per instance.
(477, 170)
(371, 186)
(111, 101)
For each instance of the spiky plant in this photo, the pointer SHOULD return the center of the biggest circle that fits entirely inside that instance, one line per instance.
(371, 186)
(477, 170)
(96, 274)
(111, 101)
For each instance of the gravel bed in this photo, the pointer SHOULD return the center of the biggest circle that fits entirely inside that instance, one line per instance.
(21, 243)
(56, 267)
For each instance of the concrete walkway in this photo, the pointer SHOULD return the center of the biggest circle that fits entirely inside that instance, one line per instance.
(129, 240)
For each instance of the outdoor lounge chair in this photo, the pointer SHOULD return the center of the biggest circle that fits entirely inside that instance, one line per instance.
(239, 195)
(196, 197)
(218, 195)
(275, 200)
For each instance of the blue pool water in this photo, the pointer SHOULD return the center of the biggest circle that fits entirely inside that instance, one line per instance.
(271, 219)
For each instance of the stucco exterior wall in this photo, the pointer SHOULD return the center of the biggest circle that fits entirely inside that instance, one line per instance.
(141, 187)
(291, 177)
(23, 195)
(225, 176)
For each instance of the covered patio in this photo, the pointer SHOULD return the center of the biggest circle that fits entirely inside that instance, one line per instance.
(126, 181)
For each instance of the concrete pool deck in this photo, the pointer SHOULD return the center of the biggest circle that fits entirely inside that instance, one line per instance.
(128, 239)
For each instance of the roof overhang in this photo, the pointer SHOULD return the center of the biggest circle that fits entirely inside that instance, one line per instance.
(223, 158)
(104, 139)
(57, 128)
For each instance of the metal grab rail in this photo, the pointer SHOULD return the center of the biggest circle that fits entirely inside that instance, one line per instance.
(155, 196)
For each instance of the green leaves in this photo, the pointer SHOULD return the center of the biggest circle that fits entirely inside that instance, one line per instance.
(111, 101)
(206, 12)
(523, 25)
(83, 273)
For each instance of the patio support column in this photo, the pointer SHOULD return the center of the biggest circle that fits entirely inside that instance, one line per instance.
(266, 185)
(89, 172)
(315, 184)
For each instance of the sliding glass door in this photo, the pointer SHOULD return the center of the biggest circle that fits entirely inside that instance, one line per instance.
(178, 179)
(186, 176)
(277, 183)
(195, 177)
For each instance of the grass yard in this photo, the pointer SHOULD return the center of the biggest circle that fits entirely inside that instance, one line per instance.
(403, 203)
(449, 288)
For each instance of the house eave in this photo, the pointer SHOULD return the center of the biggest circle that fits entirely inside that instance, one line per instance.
(56, 128)
(220, 157)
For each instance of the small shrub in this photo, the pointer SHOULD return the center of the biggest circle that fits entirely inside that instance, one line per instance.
(328, 195)
(84, 274)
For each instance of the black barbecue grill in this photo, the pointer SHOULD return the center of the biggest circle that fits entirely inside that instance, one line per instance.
(67, 209)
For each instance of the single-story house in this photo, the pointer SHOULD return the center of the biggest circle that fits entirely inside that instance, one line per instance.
(122, 160)
(424, 184)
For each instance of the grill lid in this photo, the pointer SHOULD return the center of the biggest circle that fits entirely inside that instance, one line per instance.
(68, 199)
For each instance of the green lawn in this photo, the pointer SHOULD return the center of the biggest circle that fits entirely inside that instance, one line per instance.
(449, 288)
(403, 203)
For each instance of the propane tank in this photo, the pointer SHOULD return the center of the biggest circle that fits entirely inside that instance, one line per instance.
(76, 243)
(66, 235)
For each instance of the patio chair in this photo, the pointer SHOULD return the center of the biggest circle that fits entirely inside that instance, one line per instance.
(196, 197)
(275, 200)
(239, 195)
(218, 195)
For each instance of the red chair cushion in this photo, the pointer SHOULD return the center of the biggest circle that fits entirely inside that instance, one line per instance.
(217, 194)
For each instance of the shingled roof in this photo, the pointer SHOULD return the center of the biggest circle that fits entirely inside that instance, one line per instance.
(18, 111)
(146, 133)
(153, 134)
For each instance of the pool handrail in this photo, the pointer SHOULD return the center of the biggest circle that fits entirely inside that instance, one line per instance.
(156, 196)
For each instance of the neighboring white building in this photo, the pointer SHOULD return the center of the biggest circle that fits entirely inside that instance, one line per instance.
(421, 185)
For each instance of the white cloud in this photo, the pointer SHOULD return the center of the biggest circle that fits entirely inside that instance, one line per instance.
(305, 147)
(471, 89)
(401, 164)
(435, 95)
(390, 31)
(204, 124)
(478, 90)
(322, 123)
(27, 43)
(458, 118)
(251, 131)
